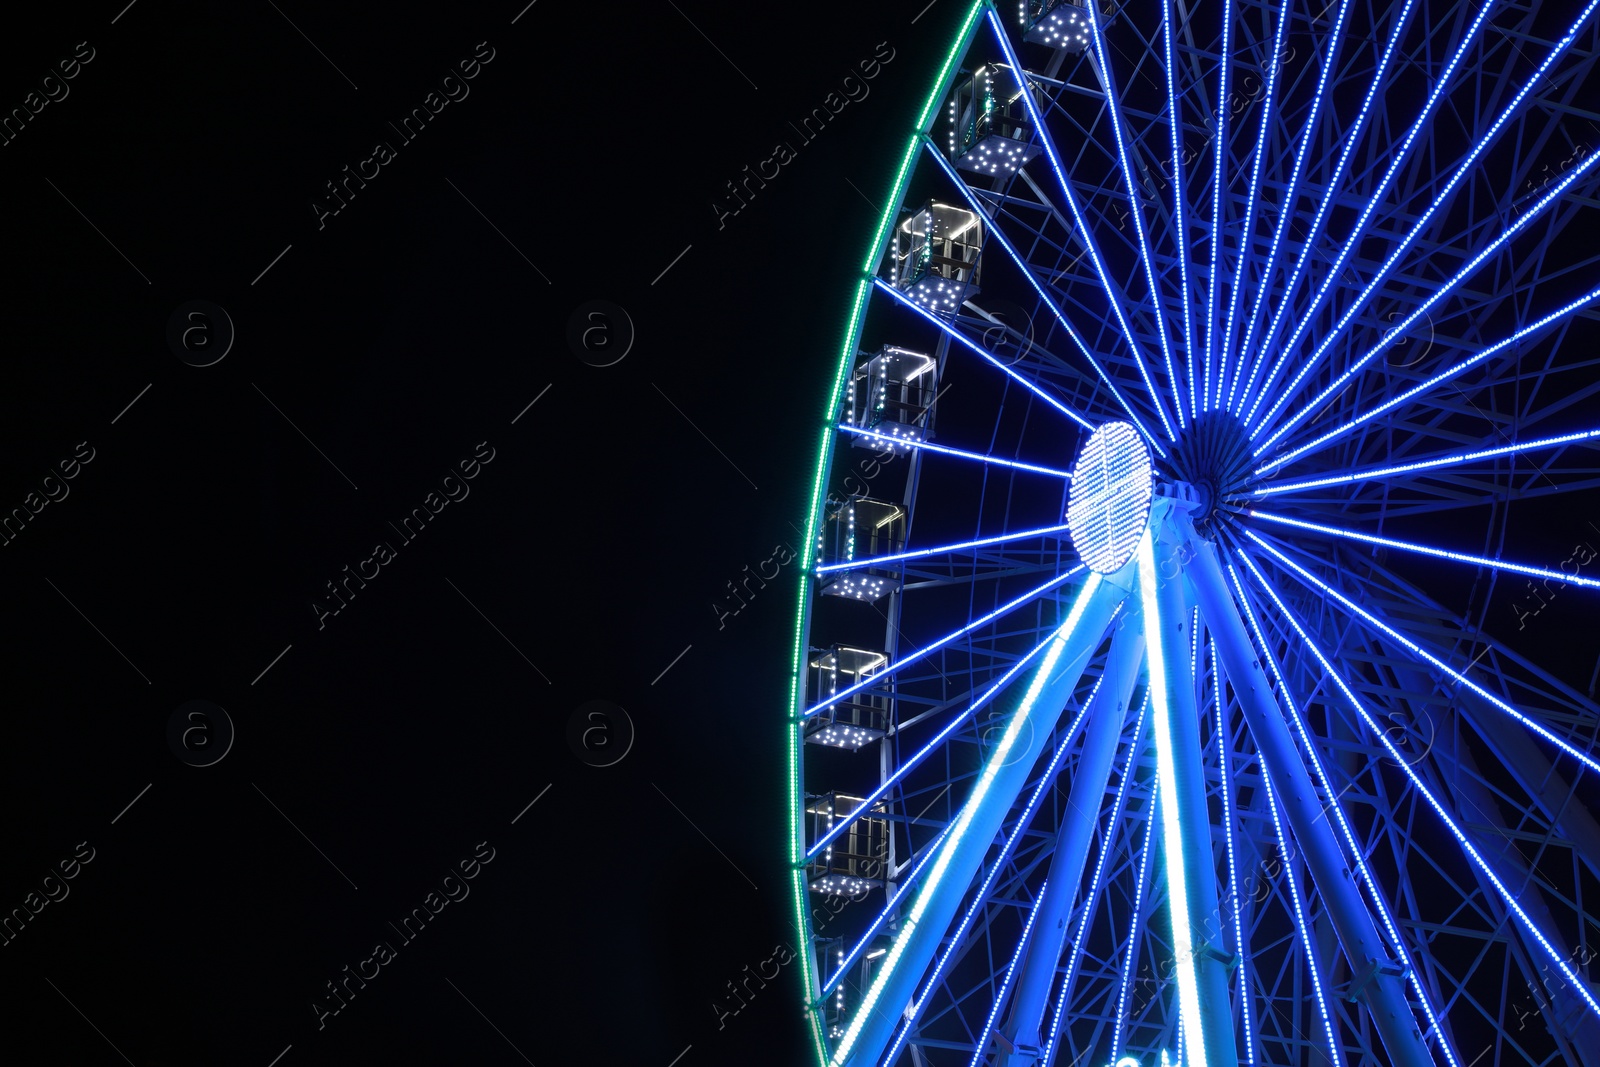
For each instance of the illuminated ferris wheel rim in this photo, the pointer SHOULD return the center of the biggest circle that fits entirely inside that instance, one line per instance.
(1243, 455)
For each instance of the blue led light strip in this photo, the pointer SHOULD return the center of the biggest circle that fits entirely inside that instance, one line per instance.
(926, 446)
(1175, 124)
(1135, 747)
(1351, 138)
(1313, 582)
(1046, 782)
(1292, 190)
(927, 650)
(1085, 234)
(1358, 232)
(883, 916)
(1433, 802)
(1453, 459)
(1399, 330)
(1133, 927)
(1223, 757)
(1301, 926)
(1028, 275)
(957, 335)
(1445, 375)
(874, 561)
(1011, 971)
(911, 764)
(1218, 154)
(1248, 230)
(1333, 805)
(1135, 206)
(1466, 167)
(1428, 550)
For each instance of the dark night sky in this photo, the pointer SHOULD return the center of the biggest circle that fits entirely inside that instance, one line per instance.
(396, 338)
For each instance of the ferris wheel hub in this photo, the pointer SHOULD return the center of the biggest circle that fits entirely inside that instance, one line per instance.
(1213, 456)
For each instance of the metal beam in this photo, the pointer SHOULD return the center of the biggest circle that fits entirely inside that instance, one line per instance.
(1385, 993)
(1569, 1021)
(1106, 717)
(1172, 532)
(884, 1008)
(1543, 783)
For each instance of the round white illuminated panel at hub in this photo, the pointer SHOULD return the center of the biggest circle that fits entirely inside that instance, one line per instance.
(1109, 505)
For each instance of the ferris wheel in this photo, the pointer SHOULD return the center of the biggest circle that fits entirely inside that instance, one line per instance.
(1147, 702)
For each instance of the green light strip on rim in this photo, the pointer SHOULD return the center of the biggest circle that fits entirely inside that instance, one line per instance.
(824, 450)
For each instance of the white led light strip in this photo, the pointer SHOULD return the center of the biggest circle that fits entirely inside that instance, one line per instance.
(1171, 822)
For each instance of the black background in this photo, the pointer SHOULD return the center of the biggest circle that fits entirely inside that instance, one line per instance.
(396, 338)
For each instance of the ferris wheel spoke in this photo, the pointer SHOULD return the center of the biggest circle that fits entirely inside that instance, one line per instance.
(1248, 225)
(997, 233)
(1459, 777)
(1543, 374)
(1315, 966)
(1452, 459)
(1556, 317)
(1291, 192)
(927, 650)
(962, 854)
(1241, 945)
(1311, 581)
(983, 353)
(1011, 972)
(1175, 126)
(1379, 905)
(1107, 710)
(906, 884)
(1351, 919)
(914, 761)
(1429, 550)
(1443, 290)
(958, 453)
(1351, 138)
(1134, 930)
(1549, 689)
(1463, 169)
(1085, 234)
(942, 550)
(1219, 155)
(1359, 232)
(1470, 494)
(1135, 204)
(957, 939)
(1450, 823)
